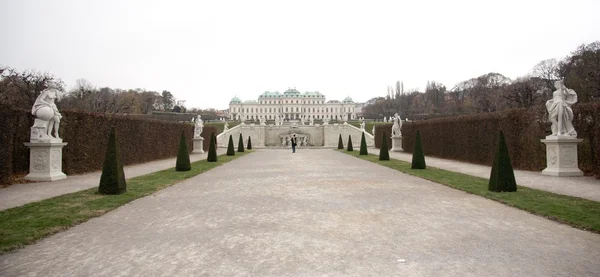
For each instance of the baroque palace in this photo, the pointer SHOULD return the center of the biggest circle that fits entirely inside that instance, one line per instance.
(291, 105)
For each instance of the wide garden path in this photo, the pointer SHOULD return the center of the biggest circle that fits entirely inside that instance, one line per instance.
(21, 194)
(312, 213)
(583, 187)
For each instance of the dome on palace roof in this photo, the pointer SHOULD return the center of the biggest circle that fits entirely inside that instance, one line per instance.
(291, 93)
(269, 94)
(235, 100)
(314, 94)
(348, 100)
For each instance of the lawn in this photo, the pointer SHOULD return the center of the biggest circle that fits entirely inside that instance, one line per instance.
(577, 212)
(26, 224)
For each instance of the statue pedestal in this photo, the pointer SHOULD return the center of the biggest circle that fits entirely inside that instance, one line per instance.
(45, 161)
(561, 156)
(198, 145)
(397, 144)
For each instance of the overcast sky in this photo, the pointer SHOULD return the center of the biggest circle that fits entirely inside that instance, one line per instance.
(206, 52)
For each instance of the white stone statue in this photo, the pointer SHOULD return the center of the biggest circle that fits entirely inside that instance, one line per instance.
(326, 121)
(362, 125)
(312, 121)
(373, 131)
(397, 127)
(384, 119)
(345, 118)
(560, 112)
(47, 117)
(198, 127)
(226, 126)
(302, 120)
(262, 121)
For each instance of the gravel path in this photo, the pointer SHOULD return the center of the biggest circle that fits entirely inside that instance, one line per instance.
(312, 213)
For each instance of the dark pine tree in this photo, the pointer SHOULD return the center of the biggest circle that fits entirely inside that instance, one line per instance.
(340, 143)
(384, 152)
(230, 149)
(418, 158)
(183, 156)
(112, 180)
(249, 143)
(350, 144)
(241, 144)
(363, 145)
(212, 149)
(502, 177)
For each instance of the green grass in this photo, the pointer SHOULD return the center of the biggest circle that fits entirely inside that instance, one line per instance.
(580, 213)
(26, 224)
(220, 125)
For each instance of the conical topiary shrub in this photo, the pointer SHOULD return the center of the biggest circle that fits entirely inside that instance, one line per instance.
(350, 144)
(418, 158)
(241, 144)
(502, 177)
(384, 152)
(112, 180)
(212, 149)
(340, 143)
(363, 145)
(249, 143)
(230, 149)
(183, 156)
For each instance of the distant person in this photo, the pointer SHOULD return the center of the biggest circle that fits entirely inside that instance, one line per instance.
(294, 144)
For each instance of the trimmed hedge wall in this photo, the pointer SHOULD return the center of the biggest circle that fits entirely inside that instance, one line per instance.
(387, 129)
(472, 138)
(141, 140)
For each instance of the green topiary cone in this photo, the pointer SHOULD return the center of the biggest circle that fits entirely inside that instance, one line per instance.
(418, 158)
(350, 144)
(230, 149)
(212, 149)
(502, 177)
(112, 180)
(183, 156)
(384, 152)
(340, 143)
(241, 144)
(363, 145)
(249, 143)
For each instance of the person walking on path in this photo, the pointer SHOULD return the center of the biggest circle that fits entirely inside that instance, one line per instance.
(294, 144)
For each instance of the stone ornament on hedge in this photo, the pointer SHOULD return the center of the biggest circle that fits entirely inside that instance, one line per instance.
(45, 144)
(561, 145)
(198, 139)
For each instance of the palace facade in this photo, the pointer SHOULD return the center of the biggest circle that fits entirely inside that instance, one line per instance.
(291, 105)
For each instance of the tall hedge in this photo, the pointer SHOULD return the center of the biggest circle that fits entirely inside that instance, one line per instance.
(363, 145)
(183, 155)
(350, 144)
(230, 149)
(380, 129)
(502, 177)
(249, 143)
(212, 149)
(112, 180)
(340, 143)
(241, 144)
(418, 158)
(384, 151)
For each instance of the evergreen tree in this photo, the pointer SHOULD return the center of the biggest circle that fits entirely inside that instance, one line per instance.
(363, 145)
(212, 149)
(249, 143)
(502, 177)
(230, 149)
(350, 144)
(183, 156)
(384, 152)
(340, 143)
(418, 158)
(112, 180)
(241, 144)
